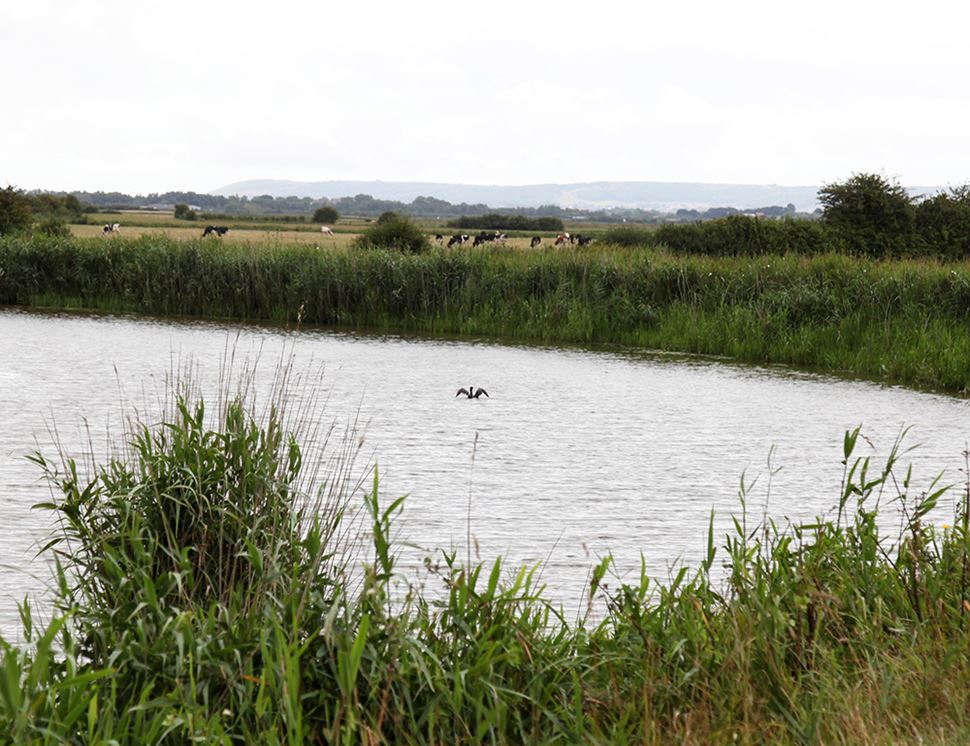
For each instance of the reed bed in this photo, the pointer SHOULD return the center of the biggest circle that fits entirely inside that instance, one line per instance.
(208, 591)
(904, 321)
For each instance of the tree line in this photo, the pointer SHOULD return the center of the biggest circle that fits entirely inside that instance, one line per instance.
(365, 205)
(866, 215)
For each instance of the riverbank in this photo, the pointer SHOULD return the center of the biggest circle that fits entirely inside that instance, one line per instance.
(210, 590)
(897, 321)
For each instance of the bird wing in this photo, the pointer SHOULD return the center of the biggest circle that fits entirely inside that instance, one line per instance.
(464, 391)
(482, 391)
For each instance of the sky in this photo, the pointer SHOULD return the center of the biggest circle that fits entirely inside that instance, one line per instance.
(149, 97)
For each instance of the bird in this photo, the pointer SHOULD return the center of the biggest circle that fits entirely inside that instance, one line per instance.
(471, 392)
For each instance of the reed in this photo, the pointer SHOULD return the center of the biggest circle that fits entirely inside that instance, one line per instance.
(903, 321)
(203, 593)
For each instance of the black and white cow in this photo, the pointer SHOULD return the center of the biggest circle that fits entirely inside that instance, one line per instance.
(536, 240)
(111, 228)
(219, 230)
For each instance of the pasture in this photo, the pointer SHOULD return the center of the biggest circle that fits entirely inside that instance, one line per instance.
(262, 233)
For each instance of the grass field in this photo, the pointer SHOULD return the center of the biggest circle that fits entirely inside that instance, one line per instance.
(254, 232)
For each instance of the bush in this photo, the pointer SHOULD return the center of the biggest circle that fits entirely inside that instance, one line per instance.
(740, 235)
(54, 227)
(397, 233)
(943, 223)
(326, 214)
(15, 212)
(873, 214)
(184, 212)
(629, 236)
(388, 217)
(495, 221)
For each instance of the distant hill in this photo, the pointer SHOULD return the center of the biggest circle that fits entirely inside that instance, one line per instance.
(645, 195)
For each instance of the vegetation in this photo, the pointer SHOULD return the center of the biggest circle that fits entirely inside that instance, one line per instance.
(326, 214)
(901, 321)
(494, 221)
(365, 205)
(15, 212)
(394, 232)
(872, 213)
(209, 589)
(184, 212)
(739, 235)
(53, 227)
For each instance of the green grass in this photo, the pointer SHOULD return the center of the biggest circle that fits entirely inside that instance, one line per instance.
(905, 321)
(213, 585)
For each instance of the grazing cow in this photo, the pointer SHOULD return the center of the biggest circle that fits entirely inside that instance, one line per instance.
(438, 238)
(536, 240)
(562, 238)
(583, 240)
(219, 230)
(111, 228)
(486, 237)
(325, 230)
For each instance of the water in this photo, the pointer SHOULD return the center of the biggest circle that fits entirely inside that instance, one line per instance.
(578, 453)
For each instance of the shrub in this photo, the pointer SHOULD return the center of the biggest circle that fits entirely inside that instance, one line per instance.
(388, 217)
(873, 214)
(398, 233)
(740, 235)
(495, 221)
(943, 223)
(326, 214)
(184, 212)
(53, 226)
(15, 212)
(629, 236)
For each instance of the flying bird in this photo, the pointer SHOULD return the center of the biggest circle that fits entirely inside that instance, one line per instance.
(471, 392)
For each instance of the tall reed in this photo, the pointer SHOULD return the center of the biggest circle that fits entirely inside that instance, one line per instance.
(203, 593)
(900, 321)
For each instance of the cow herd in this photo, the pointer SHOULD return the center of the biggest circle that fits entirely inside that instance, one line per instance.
(488, 236)
(483, 237)
(573, 238)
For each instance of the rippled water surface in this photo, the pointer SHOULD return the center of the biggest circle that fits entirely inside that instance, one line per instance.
(578, 453)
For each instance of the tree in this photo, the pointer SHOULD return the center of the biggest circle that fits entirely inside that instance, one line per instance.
(388, 217)
(326, 214)
(184, 212)
(15, 213)
(874, 215)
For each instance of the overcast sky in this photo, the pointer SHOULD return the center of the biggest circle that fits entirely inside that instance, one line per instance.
(142, 97)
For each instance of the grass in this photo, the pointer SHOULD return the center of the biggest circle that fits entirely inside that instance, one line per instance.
(904, 321)
(212, 584)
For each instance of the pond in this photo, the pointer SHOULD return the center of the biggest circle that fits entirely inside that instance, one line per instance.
(576, 453)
